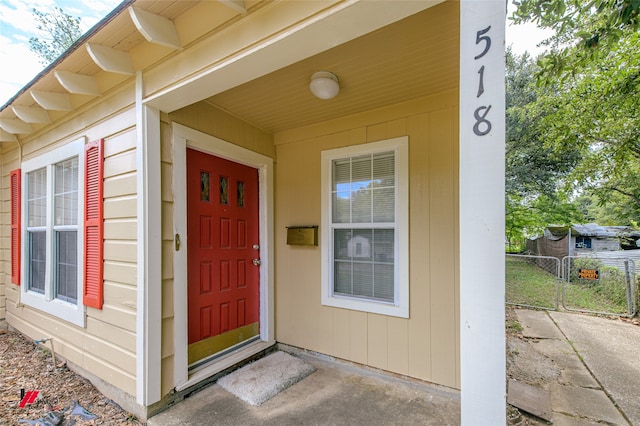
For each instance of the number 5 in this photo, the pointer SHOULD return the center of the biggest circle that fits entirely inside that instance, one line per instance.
(480, 37)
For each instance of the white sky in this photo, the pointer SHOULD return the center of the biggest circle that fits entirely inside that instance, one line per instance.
(18, 65)
(524, 38)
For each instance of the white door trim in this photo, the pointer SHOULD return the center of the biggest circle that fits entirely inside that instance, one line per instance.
(184, 137)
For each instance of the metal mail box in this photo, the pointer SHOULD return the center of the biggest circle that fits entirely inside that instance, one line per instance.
(302, 235)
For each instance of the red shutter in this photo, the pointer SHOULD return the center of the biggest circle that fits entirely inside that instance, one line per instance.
(93, 229)
(16, 177)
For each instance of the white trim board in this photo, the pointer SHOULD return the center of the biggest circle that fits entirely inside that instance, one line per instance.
(482, 127)
(184, 137)
(149, 252)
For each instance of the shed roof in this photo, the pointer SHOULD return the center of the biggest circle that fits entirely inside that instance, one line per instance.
(589, 230)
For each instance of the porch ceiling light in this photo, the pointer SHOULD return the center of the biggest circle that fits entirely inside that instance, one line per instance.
(324, 85)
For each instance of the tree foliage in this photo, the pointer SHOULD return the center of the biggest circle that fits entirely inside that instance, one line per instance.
(532, 168)
(59, 30)
(582, 28)
(586, 104)
(596, 115)
(535, 172)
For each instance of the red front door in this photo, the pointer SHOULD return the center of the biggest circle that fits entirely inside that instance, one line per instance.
(223, 254)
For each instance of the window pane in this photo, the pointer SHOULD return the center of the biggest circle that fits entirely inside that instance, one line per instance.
(240, 194)
(205, 188)
(383, 285)
(342, 278)
(360, 244)
(384, 202)
(66, 265)
(363, 279)
(384, 269)
(364, 263)
(66, 192)
(224, 190)
(341, 205)
(37, 258)
(37, 198)
(341, 238)
(383, 245)
(361, 172)
(384, 169)
(361, 206)
(341, 175)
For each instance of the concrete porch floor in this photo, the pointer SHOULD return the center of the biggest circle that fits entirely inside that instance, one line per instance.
(336, 393)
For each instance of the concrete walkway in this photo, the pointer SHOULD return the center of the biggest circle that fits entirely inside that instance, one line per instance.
(335, 394)
(588, 366)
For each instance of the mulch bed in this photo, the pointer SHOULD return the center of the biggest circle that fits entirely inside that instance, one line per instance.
(26, 367)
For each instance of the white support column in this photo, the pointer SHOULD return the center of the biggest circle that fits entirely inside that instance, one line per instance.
(149, 306)
(482, 122)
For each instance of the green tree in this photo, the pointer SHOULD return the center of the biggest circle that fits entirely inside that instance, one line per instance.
(593, 109)
(532, 168)
(595, 115)
(535, 195)
(59, 31)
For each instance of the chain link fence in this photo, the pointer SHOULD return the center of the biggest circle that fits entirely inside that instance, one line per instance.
(532, 281)
(600, 285)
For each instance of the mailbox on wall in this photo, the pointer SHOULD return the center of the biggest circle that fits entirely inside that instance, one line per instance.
(302, 235)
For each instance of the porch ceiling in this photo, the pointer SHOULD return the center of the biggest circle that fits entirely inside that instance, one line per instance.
(411, 58)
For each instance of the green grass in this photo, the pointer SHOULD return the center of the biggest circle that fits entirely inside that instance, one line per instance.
(528, 284)
(607, 295)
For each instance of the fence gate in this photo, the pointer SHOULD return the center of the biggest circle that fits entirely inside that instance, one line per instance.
(599, 284)
(532, 281)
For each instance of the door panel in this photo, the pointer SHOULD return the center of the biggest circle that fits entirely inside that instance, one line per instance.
(222, 230)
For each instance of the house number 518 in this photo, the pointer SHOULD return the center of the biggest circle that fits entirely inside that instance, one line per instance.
(482, 125)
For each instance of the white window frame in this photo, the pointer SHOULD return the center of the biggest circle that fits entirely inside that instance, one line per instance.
(400, 305)
(47, 302)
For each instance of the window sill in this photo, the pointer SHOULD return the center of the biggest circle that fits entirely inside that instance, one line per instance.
(58, 308)
(354, 304)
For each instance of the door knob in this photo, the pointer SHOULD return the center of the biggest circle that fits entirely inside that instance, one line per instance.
(257, 262)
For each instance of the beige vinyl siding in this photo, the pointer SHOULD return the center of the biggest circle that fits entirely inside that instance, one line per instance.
(211, 120)
(106, 346)
(424, 346)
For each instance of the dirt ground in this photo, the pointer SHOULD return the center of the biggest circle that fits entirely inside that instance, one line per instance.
(25, 366)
